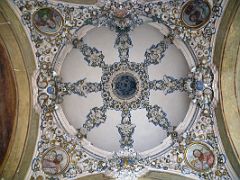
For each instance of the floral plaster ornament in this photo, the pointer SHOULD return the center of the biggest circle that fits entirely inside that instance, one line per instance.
(61, 154)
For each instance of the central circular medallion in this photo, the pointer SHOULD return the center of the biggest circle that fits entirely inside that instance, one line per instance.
(125, 86)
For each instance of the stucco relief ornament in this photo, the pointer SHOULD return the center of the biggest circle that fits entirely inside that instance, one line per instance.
(117, 77)
(120, 16)
(168, 84)
(62, 155)
(125, 86)
(126, 164)
(195, 152)
(81, 88)
(200, 86)
(157, 116)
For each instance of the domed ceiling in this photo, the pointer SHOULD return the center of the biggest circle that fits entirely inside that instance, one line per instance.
(125, 87)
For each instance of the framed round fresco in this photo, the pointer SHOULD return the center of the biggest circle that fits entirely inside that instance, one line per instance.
(47, 21)
(55, 161)
(199, 157)
(196, 13)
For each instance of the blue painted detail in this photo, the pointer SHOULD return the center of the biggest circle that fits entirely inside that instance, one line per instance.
(199, 85)
(121, 162)
(131, 161)
(50, 90)
(221, 159)
(125, 86)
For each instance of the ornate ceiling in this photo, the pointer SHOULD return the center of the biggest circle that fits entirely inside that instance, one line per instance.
(124, 88)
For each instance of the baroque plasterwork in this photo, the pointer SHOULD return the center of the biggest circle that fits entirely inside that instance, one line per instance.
(122, 17)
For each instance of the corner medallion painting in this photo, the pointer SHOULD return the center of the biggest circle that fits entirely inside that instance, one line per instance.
(199, 157)
(196, 13)
(47, 21)
(55, 161)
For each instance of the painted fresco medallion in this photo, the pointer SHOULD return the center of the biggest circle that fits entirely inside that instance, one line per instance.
(199, 157)
(55, 161)
(47, 21)
(196, 13)
(125, 86)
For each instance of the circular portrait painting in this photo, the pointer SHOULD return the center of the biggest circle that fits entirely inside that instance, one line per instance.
(199, 157)
(55, 161)
(47, 21)
(196, 13)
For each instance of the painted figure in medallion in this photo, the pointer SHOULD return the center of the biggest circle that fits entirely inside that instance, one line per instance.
(55, 161)
(47, 20)
(196, 13)
(199, 157)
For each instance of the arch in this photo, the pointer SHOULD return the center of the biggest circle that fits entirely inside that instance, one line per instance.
(227, 58)
(151, 175)
(23, 137)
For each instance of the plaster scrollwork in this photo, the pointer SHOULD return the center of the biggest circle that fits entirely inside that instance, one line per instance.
(155, 53)
(157, 116)
(61, 155)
